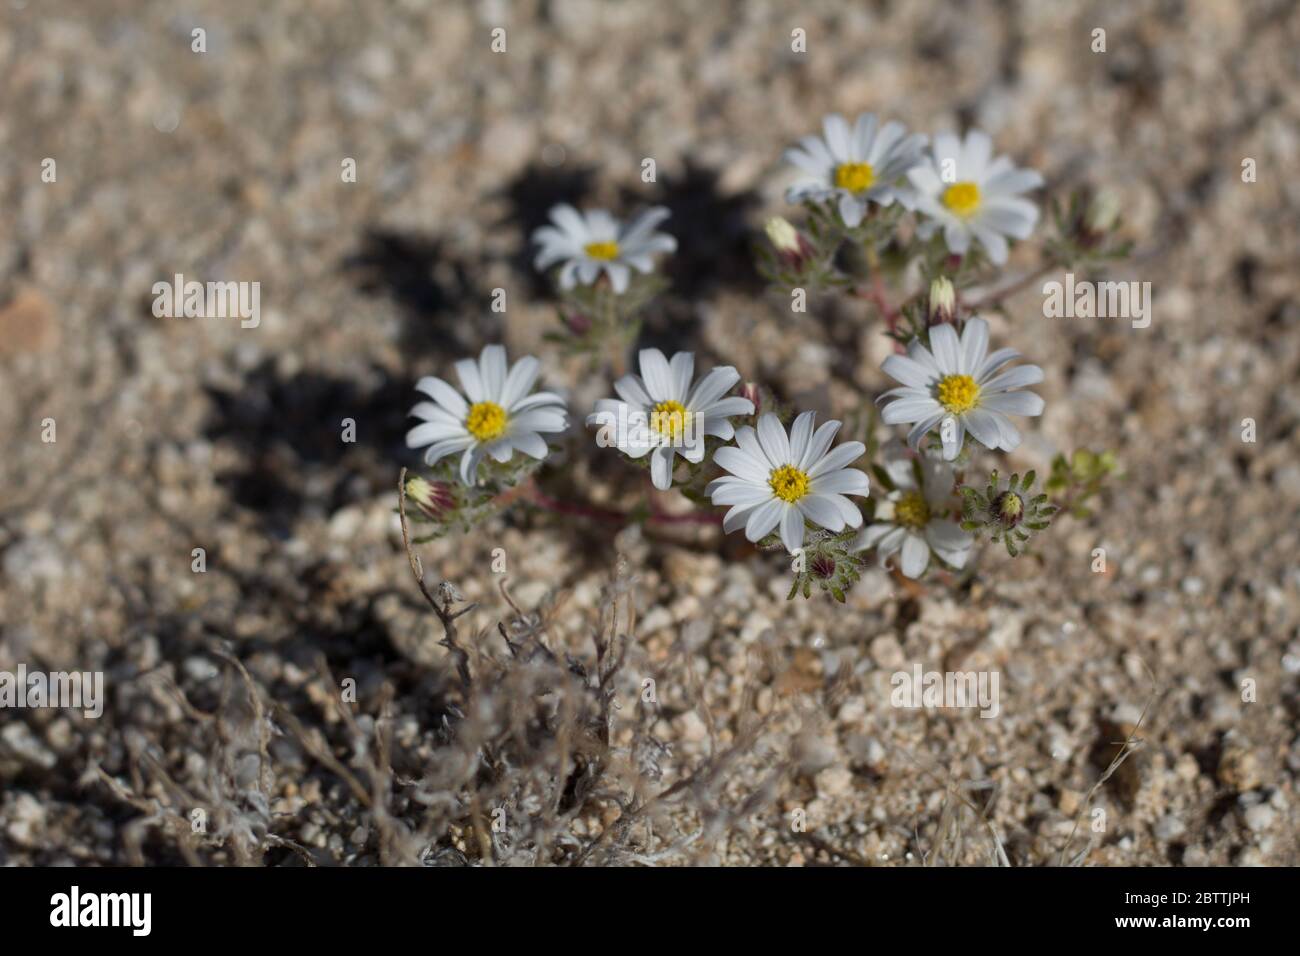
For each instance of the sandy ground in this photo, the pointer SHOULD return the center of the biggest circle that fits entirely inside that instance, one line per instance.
(176, 434)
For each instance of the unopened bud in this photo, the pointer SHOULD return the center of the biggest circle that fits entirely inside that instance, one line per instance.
(943, 301)
(823, 566)
(787, 240)
(578, 323)
(750, 391)
(1102, 214)
(434, 498)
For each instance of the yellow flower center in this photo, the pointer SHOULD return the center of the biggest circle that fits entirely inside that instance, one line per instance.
(602, 250)
(911, 510)
(962, 198)
(486, 421)
(788, 483)
(854, 177)
(670, 418)
(958, 393)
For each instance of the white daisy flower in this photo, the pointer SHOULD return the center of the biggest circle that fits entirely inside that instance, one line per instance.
(914, 519)
(499, 416)
(778, 481)
(855, 166)
(661, 413)
(954, 387)
(970, 195)
(594, 242)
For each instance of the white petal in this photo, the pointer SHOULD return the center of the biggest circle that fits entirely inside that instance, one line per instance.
(791, 527)
(661, 468)
(470, 380)
(773, 438)
(974, 345)
(747, 441)
(821, 511)
(430, 432)
(439, 450)
(817, 445)
(1013, 403)
(907, 410)
(864, 137)
(870, 536)
(712, 387)
(444, 394)
(951, 543)
(740, 493)
(570, 222)
(1018, 377)
(520, 380)
(726, 407)
(837, 458)
(944, 343)
(531, 444)
(763, 519)
(538, 399)
(983, 427)
(846, 481)
(632, 390)
(492, 368)
(993, 243)
(975, 154)
(994, 362)
(501, 449)
(957, 437)
(908, 371)
(430, 412)
(655, 372)
(682, 369)
(540, 420)
(736, 518)
(619, 275)
(837, 137)
(469, 464)
(742, 465)
(916, 555)
(852, 210)
(643, 225)
(923, 427)
(800, 434)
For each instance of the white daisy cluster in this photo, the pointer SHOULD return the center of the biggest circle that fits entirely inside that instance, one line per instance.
(883, 204)
(956, 187)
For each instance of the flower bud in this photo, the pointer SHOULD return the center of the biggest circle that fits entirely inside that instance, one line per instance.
(823, 566)
(433, 498)
(750, 391)
(943, 301)
(1103, 213)
(578, 323)
(789, 243)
